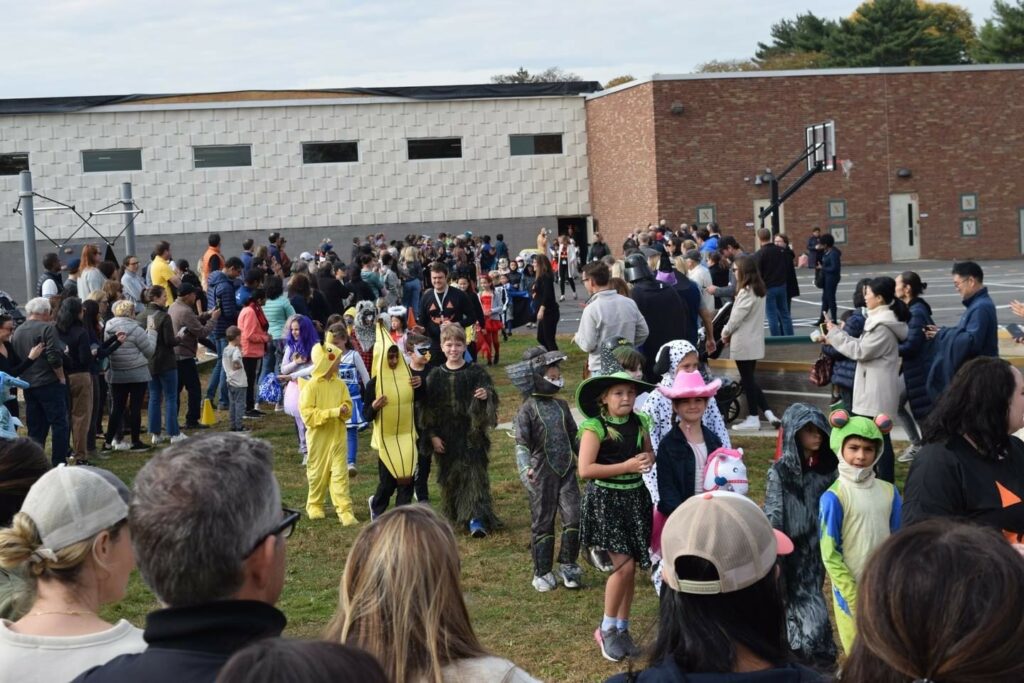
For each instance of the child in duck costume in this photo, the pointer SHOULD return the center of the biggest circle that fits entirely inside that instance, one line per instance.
(325, 406)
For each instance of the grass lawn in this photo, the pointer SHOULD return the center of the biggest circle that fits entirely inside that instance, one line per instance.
(549, 635)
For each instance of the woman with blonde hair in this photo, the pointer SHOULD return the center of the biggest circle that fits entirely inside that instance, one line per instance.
(72, 542)
(129, 374)
(400, 600)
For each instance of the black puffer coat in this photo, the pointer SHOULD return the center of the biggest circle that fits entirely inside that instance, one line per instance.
(916, 352)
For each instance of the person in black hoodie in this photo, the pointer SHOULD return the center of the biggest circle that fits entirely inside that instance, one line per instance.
(971, 466)
(209, 536)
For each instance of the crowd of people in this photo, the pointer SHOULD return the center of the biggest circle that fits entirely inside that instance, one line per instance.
(399, 339)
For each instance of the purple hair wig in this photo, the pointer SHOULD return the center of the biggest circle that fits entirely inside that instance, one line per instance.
(308, 337)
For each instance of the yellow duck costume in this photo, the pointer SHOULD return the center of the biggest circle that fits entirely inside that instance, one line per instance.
(325, 405)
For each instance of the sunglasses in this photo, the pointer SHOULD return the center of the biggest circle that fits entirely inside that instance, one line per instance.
(285, 528)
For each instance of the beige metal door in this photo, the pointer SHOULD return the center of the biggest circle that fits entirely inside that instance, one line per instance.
(905, 227)
(764, 203)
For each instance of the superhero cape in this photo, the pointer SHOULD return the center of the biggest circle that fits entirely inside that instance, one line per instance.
(394, 430)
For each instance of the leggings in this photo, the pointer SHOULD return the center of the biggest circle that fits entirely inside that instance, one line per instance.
(563, 276)
(755, 398)
(126, 396)
(251, 365)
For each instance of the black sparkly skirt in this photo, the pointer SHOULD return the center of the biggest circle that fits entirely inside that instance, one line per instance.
(618, 521)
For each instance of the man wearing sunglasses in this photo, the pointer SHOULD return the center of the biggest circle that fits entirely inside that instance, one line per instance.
(209, 534)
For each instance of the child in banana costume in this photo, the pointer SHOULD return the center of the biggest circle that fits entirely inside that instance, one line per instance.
(325, 406)
(389, 399)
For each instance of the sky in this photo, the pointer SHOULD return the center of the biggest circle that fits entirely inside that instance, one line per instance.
(107, 47)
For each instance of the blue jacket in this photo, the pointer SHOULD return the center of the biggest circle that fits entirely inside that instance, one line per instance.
(677, 469)
(221, 289)
(916, 352)
(844, 370)
(975, 335)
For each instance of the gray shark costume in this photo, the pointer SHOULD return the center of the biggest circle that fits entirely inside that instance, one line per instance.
(545, 434)
(795, 485)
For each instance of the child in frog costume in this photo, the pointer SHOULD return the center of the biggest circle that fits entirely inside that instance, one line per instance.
(325, 407)
(857, 512)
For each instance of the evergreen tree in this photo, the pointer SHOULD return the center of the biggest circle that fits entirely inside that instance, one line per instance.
(796, 43)
(1001, 39)
(894, 33)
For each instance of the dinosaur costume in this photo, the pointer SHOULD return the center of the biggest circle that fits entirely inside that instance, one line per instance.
(857, 513)
(796, 483)
(325, 406)
(546, 444)
(464, 424)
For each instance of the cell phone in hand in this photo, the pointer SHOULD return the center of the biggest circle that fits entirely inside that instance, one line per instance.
(823, 328)
(1016, 331)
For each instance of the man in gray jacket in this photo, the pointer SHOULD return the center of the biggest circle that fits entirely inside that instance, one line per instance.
(188, 330)
(46, 399)
(607, 314)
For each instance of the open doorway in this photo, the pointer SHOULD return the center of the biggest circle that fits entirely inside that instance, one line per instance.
(578, 233)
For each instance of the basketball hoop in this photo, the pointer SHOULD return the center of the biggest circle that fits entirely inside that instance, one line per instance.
(846, 165)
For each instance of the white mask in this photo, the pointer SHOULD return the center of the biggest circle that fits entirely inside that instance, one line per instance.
(560, 382)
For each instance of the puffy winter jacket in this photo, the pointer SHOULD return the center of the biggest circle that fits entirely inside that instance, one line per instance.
(916, 352)
(844, 369)
(129, 363)
(221, 289)
(163, 357)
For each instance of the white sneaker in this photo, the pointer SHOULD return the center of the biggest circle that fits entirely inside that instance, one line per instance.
(562, 297)
(352, 471)
(543, 584)
(157, 439)
(751, 424)
(774, 421)
(122, 446)
(179, 438)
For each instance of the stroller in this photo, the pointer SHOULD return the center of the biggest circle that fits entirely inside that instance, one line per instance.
(8, 306)
(728, 395)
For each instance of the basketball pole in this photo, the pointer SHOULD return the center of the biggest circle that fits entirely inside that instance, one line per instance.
(28, 224)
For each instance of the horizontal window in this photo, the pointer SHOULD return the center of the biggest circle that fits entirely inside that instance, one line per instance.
(97, 160)
(13, 164)
(218, 156)
(435, 148)
(330, 152)
(523, 145)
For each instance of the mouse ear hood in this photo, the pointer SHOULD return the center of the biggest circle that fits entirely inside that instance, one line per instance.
(838, 418)
(884, 423)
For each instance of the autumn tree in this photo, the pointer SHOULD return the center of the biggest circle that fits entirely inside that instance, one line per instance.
(619, 80)
(899, 33)
(1001, 39)
(726, 66)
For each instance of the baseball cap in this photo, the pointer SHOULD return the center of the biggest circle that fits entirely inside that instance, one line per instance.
(693, 255)
(728, 530)
(71, 504)
(186, 288)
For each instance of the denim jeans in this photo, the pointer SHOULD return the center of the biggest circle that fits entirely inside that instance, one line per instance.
(163, 388)
(411, 295)
(780, 323)
(46, 408)
(217, 377)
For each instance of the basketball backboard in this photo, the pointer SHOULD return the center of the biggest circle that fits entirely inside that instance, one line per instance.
(821, 146)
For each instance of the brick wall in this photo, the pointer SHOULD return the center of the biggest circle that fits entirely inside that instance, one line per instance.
(957, 131)
(622, 162)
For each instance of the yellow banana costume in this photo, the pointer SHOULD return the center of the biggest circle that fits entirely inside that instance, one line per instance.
(325, 405)
(394, 429)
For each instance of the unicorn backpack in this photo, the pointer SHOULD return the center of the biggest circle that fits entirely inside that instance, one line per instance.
(725, 471)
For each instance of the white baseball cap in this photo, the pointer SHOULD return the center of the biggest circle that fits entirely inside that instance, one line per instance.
(71, 504)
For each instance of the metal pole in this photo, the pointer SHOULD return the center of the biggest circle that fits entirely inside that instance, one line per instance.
(28, 224)
(129, 204)
(775, 205)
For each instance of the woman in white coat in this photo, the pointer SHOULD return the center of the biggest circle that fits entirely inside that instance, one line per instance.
(876, 384)
(744, 333)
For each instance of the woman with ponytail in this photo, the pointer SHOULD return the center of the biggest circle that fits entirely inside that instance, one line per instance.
(915, 403)
(71, 541)
(876, 386)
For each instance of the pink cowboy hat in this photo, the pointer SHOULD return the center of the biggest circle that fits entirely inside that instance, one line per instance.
(690, 385)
